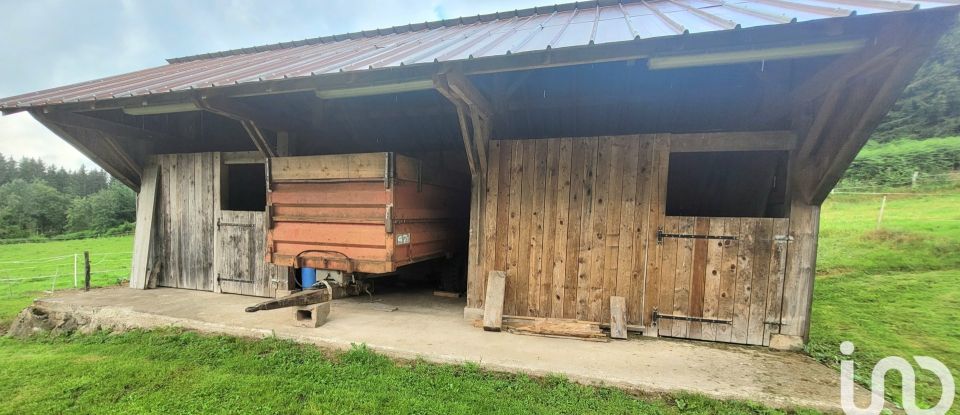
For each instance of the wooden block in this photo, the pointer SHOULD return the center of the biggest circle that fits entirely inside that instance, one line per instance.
(143, 234)
(312, 316)
(493, 304)
(618, 317)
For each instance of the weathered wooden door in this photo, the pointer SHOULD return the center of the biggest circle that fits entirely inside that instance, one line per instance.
(239, 258)
(721, 278)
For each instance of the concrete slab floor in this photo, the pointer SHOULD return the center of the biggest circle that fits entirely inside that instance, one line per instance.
(433, 328)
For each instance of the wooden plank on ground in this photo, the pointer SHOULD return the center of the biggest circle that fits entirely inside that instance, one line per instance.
(493, 303)
(143, 233)
(618, 317)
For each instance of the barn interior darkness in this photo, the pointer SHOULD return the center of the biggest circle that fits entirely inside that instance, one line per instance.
(727, 184)
(243, 187)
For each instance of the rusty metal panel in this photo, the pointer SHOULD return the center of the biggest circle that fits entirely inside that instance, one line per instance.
(351, 220)
(567, 25)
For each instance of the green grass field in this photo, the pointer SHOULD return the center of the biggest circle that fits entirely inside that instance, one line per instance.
(892, 291)
(31, 269)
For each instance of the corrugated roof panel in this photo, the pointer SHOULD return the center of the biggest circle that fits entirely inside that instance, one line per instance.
(489, 35)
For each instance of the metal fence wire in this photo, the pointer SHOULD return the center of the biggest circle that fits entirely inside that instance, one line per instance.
(62, 272)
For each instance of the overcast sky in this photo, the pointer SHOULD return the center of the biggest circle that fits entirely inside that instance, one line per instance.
(49, 43)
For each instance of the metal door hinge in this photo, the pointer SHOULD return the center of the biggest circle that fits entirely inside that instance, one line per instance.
(661, 235)
(657, 316)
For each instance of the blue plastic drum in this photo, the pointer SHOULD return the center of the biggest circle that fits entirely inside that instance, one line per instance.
(308, 277)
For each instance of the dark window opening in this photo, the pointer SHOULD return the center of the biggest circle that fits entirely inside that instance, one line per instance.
(243, 187)
(727, 184)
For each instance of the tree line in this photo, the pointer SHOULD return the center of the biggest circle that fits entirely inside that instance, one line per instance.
(39, 200)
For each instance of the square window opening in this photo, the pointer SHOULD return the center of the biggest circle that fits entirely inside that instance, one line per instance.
(727, 184)
(243, 187)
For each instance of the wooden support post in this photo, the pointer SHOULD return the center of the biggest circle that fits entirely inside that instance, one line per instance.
(618, 317)
(143, 233)
(801, 269)
(493, 304)
(883, 204)
(86, 270)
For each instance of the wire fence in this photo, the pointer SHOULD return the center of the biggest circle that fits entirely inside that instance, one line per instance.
(61, 272)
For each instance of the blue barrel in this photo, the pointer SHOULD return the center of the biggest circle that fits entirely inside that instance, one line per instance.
(308, 277)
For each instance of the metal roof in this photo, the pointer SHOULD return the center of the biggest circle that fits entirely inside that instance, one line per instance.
(567, 25)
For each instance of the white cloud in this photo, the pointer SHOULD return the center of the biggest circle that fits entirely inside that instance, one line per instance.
(22, 136)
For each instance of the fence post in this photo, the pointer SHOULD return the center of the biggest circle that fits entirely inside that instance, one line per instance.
(883, 204)
(913, 180)
(74, 270)
(86, 270)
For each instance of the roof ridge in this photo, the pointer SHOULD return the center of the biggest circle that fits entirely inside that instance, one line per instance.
(411, 27)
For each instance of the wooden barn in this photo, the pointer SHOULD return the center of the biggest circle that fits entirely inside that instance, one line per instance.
(670, 153)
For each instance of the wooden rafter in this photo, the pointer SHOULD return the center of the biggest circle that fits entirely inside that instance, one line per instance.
(91, 144)
(238, 113)
(110, 128)
(474, 114)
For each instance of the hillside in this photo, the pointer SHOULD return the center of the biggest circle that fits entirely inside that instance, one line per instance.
(930, 105)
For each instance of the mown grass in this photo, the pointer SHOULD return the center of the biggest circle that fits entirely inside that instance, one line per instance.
(177, 372)
(892, 291)
(50, 264)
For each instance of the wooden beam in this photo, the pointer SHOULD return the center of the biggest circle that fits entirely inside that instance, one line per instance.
(841, 70)
(467, 130)
(143, 234)
(110, 128)
(837, 160)
(236, 112)
(733, 141)
(93, 148)
(242, 157)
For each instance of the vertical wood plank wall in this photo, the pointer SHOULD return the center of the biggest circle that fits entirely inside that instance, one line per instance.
(568, 220)
(739, 281)
(573, 221)
(185, 220)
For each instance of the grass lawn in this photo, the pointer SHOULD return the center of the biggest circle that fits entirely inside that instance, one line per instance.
(50, 265)
(893, 291)
(173, 372)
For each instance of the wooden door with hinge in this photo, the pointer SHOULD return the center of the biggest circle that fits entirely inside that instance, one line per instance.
(721, 278)
(239, 266)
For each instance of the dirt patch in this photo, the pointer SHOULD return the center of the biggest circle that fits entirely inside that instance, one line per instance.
(897, 238)
(33, 320)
